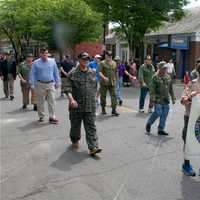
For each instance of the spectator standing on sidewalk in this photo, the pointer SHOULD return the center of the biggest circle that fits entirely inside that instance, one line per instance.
(161, 91)
(171, 69)
(8, 75)
(146, 72)
(81, 90)
(24, 73)
(44, 78)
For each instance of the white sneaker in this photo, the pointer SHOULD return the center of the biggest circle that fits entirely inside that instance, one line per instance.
(141, 110)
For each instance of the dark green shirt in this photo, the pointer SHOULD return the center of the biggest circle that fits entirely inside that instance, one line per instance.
(82, 85)
(162, 89)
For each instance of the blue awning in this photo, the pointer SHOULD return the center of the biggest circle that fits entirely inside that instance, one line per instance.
(163, 45)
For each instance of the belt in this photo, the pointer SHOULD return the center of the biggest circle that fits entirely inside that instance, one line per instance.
(46, 82)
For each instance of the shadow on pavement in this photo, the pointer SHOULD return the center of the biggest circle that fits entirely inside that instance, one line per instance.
(18, 111)
(101, 117)
(141, 115)
(156, 140)
(32, 125)
(4, 99)
(190, 188)
(68, 159)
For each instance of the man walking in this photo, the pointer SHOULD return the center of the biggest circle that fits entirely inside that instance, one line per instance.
(8, 75)
(44, 77)
(23, 73)
(146, 72)
(108, 74)
(161, 91)
(81, 90)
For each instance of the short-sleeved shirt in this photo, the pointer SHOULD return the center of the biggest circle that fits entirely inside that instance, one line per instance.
(95, 66)
(67, 66)
(24, 69)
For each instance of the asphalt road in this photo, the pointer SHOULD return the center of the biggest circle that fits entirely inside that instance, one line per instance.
(37, 163)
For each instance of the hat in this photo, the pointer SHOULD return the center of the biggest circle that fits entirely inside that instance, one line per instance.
(162, 65)
(109, 53)
(148, 57)
(117, 58)
(97, 56)
(84, 56)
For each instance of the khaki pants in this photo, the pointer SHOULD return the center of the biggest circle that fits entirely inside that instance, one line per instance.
(8, 86)
(45, 91)
(26, 90)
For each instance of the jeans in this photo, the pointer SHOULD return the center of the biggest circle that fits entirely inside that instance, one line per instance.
(118, 88)
(143, 94)
(160, 111)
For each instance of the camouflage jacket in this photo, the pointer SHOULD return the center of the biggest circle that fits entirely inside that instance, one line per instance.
(82, 85)
(162, 89)
(110, 71)
(146, 74)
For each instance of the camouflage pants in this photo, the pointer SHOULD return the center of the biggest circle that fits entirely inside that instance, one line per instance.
(112, 91)
(88, 119)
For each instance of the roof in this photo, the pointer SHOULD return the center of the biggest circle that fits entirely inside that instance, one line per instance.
(188, 24)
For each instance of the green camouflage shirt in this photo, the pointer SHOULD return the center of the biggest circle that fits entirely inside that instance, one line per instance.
(110, 71)
(146, 73)
(162, 89)
(82, 85)
(24, 70)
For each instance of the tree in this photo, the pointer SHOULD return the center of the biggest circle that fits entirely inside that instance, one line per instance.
(59, 23)
(135, 17)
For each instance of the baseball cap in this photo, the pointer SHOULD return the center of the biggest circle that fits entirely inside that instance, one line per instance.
(117, 58)
(97, 56)
(162, 65)
(84, 56)
(148, 57)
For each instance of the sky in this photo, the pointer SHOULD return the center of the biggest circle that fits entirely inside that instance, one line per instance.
(193, 3)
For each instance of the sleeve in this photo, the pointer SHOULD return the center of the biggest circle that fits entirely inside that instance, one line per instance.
(140, 75)
(153, 90)
(101, 68)
(32, 75)
(56, 74)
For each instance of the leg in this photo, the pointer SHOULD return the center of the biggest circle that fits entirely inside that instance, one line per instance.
(11, 85)
(51, 100)
(75, 130)
(103, 91)
(155, 115)
(163, 117)
(25, 95)
(143, 94)
(90, 129)
(113, 97)
(41, 96)
(33, 97)
(5, 88)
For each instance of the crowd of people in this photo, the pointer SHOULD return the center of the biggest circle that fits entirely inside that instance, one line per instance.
(86, 84)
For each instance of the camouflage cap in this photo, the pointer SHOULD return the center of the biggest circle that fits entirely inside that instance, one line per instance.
(162, 65)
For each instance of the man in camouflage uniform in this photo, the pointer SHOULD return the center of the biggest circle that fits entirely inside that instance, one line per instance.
(146, 72)
(161, 90)
(108, 74)
(23, 73)
(194, 73)
(81, 88)
(192, 90)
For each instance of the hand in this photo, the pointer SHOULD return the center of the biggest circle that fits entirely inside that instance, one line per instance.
(106, 79)
(32, 87)
(133, 78)
(144, 85)
(56, 86)
(173, 101)
(186, 100)
(73, 103)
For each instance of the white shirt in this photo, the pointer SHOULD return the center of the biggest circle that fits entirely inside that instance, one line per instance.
(170, 68)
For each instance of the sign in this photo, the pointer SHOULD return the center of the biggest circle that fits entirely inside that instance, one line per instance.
(192, 148)
(179, 42)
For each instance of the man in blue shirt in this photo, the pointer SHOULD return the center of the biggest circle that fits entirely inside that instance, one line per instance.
(44, 77)
(95, 66)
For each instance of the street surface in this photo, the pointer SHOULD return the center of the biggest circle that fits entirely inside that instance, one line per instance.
(37, 163)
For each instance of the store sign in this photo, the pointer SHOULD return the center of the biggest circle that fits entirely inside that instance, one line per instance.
(179, 42)
(192, 148)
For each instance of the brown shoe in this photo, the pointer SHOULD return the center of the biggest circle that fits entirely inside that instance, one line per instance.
(94, 151)
(41, 119)
(53, 121)
(75, 145)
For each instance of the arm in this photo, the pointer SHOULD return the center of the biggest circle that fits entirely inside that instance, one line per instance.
(32, 76)
(141, 77)
(104, 78)
(171, 92)
(63, 71)
(56, 75)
